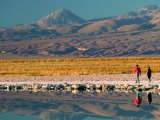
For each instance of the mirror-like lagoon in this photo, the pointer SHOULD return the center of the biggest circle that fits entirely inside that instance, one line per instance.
(59, 105)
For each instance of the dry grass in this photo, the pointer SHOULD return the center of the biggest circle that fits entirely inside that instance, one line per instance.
(79, 66)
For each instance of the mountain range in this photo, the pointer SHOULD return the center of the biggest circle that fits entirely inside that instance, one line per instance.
(64, 34)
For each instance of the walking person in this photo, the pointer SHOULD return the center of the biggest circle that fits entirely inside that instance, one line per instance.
(149, 72)
(137, 72)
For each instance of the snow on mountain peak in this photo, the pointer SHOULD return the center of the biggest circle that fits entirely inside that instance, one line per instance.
(60, 17)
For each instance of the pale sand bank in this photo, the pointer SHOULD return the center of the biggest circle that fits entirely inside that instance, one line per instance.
(81, 79)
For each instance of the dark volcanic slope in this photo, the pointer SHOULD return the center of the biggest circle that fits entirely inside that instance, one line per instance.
(109, 44)
(63, 34)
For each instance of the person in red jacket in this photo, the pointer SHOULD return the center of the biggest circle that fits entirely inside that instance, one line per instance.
(137, 100)
(137, 72)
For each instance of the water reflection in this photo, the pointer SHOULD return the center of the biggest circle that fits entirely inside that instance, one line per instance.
(84, 105)
(138, 99)
(149, 97)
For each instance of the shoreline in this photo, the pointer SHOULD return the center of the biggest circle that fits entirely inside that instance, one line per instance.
(118, 82)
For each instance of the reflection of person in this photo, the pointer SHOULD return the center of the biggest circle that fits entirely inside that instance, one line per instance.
(137, 72)
(149, 97)
(138, 99)
(149, 72)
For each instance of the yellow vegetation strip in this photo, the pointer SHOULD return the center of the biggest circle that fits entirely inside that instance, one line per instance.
(79, 66)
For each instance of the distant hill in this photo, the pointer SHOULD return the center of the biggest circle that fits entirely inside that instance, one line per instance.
(64, 34)
(2, 29)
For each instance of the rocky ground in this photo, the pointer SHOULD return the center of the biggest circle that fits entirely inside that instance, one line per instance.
(121, 82)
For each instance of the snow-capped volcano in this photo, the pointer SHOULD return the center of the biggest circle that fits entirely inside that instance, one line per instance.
(146, 11)
(60, 17)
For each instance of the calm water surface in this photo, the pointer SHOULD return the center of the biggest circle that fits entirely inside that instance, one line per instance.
(82, 106)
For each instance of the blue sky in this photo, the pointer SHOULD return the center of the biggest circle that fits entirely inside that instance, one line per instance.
(28, 11)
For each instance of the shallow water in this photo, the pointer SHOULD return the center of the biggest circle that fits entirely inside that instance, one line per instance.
(84, 105)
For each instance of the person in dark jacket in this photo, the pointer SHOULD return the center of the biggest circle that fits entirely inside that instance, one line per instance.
(149, 73)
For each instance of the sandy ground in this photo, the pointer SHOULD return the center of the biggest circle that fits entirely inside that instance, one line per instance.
(81, 79)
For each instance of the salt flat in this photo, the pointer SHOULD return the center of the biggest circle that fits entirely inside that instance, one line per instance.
(81, 79)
